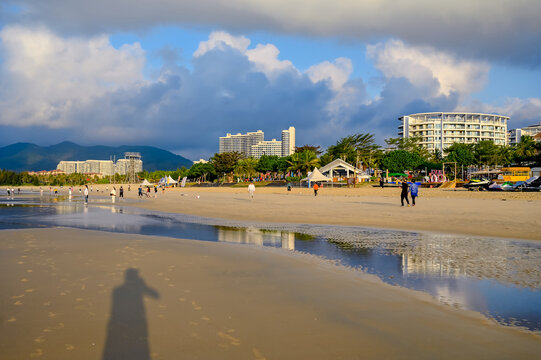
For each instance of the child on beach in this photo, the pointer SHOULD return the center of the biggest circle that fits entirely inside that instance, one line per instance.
(414, 191)
(316, 188)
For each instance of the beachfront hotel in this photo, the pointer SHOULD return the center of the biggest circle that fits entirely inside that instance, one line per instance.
(439, 130)
(253, 144)
(514, 135)
(103, 167)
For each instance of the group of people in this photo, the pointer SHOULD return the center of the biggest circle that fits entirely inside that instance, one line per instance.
(412, 189)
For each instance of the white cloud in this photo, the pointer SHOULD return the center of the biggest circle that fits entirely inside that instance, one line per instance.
(337, 74)
(522, 112)
(422, 64)
(220, 40)
(265, 59)
(44, 76)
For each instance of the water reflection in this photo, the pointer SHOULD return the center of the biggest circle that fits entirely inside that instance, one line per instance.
(498, 277)
(254, 236)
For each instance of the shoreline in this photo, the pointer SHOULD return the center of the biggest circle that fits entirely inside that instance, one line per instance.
(487, 214)
(222, 300)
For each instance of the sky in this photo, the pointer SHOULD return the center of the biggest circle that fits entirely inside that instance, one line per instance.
(179, 74)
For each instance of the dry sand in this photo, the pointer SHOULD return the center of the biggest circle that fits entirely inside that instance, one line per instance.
(494, 214)
(201, 300)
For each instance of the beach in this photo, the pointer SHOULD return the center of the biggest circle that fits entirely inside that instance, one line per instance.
(494, 214)
(70, 293)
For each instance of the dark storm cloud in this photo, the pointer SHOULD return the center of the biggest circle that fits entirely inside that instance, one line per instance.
(502, 31)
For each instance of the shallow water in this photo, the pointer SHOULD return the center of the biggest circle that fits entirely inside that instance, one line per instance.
(497, 277)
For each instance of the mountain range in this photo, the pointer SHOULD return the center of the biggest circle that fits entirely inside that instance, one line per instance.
(31, 157)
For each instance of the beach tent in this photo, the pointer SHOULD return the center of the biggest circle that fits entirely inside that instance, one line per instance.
(167, 181)
(145, 183)
(316, 176)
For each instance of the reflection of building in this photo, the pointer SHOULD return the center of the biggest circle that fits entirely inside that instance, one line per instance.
(532, 130)
(253, 236)
(253, 144)
(439, 130)
(288, 240)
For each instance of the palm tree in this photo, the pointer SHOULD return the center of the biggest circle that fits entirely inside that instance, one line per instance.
(303, 162)
(525, 149)
(246, 167)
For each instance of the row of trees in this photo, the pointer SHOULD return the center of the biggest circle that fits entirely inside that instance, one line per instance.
(358, 149)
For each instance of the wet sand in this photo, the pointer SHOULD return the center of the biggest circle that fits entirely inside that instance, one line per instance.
(202, 300)
(494, 214)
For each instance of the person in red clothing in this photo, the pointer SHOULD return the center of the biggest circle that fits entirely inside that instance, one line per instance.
(316, 188)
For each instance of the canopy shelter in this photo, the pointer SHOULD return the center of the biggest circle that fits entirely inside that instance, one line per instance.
(316, 176)
(145, 183)
(341, 168)
(167, 181)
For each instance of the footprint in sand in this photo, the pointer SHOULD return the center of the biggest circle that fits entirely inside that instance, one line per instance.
(195, 306)
(232, 340)
(18, 302)
(181, 299)
(12, 319)
(17, 296)
(36, 353)
(29, 290)
(39, 339)
(51, 314)
(24, 280)
(258, 355)
(69, 347)
(205, 318)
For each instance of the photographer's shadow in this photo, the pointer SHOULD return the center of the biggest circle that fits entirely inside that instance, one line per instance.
(127, 330)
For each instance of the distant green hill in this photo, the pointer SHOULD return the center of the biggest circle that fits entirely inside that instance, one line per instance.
(31, 157)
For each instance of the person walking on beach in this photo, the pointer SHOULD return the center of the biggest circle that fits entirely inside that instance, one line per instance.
(404, 193)
(381, 182)
(414, 191)
(316, 188)
(121, 193)
(251, 189)
(140, 191)
(113, 194)
(86, 193)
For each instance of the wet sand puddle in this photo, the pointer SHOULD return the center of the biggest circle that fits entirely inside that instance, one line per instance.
(500, 278)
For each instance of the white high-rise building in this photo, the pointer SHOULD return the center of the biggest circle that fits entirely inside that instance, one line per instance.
(270, 148)
(241, 143)
(103, 167)
(514, 135)
(439, 130)
(253, 144)
(288, 141)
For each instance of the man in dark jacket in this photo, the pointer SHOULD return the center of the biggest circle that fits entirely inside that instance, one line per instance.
(404, 194)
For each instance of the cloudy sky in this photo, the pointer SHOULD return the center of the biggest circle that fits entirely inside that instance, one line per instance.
(178, 74)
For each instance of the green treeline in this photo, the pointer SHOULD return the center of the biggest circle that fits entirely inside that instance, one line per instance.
(359, 149)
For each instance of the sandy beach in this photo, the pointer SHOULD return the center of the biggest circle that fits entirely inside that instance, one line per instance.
(494, 214)
(79, 294)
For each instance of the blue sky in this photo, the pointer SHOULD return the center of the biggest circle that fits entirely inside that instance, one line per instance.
(179, 74)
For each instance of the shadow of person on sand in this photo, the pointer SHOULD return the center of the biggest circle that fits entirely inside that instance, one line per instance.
(127, 330)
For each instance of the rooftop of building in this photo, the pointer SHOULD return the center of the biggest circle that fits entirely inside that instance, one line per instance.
(453, 113)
